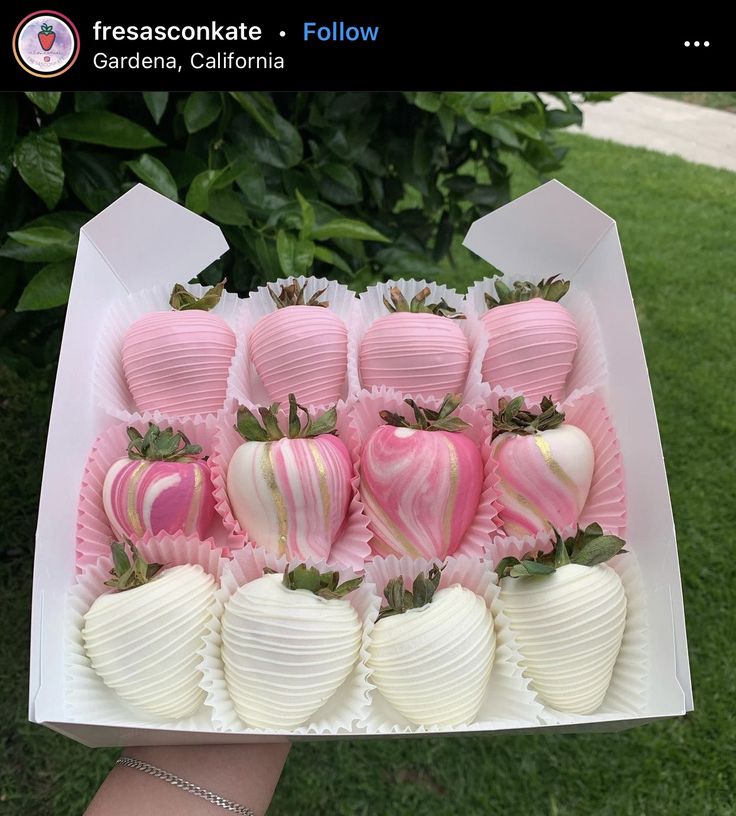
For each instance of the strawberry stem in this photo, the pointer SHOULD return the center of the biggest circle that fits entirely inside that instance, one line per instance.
(292, 294)
(418, 305)
(399, 600)
(550, 289)
(129, 573)
(159, 445)
(427, 419)
(323, 584)
(512, 419)
(182, 300)
(269, 430)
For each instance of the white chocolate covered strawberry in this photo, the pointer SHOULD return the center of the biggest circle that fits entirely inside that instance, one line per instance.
(143, 640)
(420, 482)
(290, 491)
(567, 611)
(289, 641)
(301, 347)
(160, 486)
(545, 467)
(417, 349)
(532, 339)
(177, 362)
(432, 651)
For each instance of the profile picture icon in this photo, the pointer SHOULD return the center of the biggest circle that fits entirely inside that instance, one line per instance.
(46, 43)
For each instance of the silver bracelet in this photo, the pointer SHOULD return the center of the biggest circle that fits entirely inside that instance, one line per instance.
(182, 784)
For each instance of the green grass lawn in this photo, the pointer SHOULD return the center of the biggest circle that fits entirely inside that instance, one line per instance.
(723, 100)
(676, 222)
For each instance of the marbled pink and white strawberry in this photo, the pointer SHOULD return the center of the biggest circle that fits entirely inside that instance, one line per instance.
(546, 467)
(420, 482)
(290, 493)
(300, 347)
(532, 339)
(178, 362)
(417, 349)
(160, 486)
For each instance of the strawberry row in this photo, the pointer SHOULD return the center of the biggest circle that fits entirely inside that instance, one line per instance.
(377, 475)
(316, 338)
(254, 643)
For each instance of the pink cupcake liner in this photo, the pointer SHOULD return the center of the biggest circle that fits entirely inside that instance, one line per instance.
(94, 532)
(509, 701)
(352, 546)
(363, 416)
(371, 307)
(244, 384)
(606, 502)
(590, 369)
(109, 387)
(350, 702)
(87, 699)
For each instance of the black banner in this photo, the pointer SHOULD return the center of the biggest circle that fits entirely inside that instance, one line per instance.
(129, 47)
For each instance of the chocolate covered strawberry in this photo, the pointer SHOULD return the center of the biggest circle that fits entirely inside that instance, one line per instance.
(289, 641)
(177, 362)
(143, 639)
(302, 346)
(46, 36)
(431, 651)
(567, 611)
(417, 349)
(162, 485)
(532, 339)
(420, 482)
(290, 490)
(545, 464)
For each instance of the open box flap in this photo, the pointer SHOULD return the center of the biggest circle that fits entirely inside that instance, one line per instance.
(140, 240)
(145, 239)
(549, 231)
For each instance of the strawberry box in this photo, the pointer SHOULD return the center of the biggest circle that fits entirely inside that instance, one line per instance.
(144, 241)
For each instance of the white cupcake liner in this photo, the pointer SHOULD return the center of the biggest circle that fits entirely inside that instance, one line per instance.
(589, 370)
(606, 502)
(371, 307)
(363, 417)
(109, 387)
(86, 698)
(345, 707)
(508, 702)
(352, 545)
(94, 532)
(244, 384)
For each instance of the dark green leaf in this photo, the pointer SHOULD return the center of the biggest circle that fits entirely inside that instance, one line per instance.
(8, 123)
(303, 256)
(91, 100)
(285, 247)
(228, 207)
(38, 159)
(428, 101)
(347, 228)
(199, 190)
(47, 288)
(183, 165)
(201, 109)
(46, 100)
(308, 216)
(340, 184)
(323, 253)
(95, 178)
(156, 102)
(255, 105)
(104, 128)
(282, 150)
(155, 174)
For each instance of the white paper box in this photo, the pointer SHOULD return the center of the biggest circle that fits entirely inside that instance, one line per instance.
(144, 239)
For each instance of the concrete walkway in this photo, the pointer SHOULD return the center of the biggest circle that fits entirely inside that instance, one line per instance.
(695, 133)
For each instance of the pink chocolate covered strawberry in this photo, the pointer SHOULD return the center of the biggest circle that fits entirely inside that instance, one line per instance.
(420, 482)
(177, 362)
(300, 347)
(545, 465)
(160, 486)
(290, 491)
(417, 349)
(532, 339)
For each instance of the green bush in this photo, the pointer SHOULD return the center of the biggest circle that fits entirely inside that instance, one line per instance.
(352, 185)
